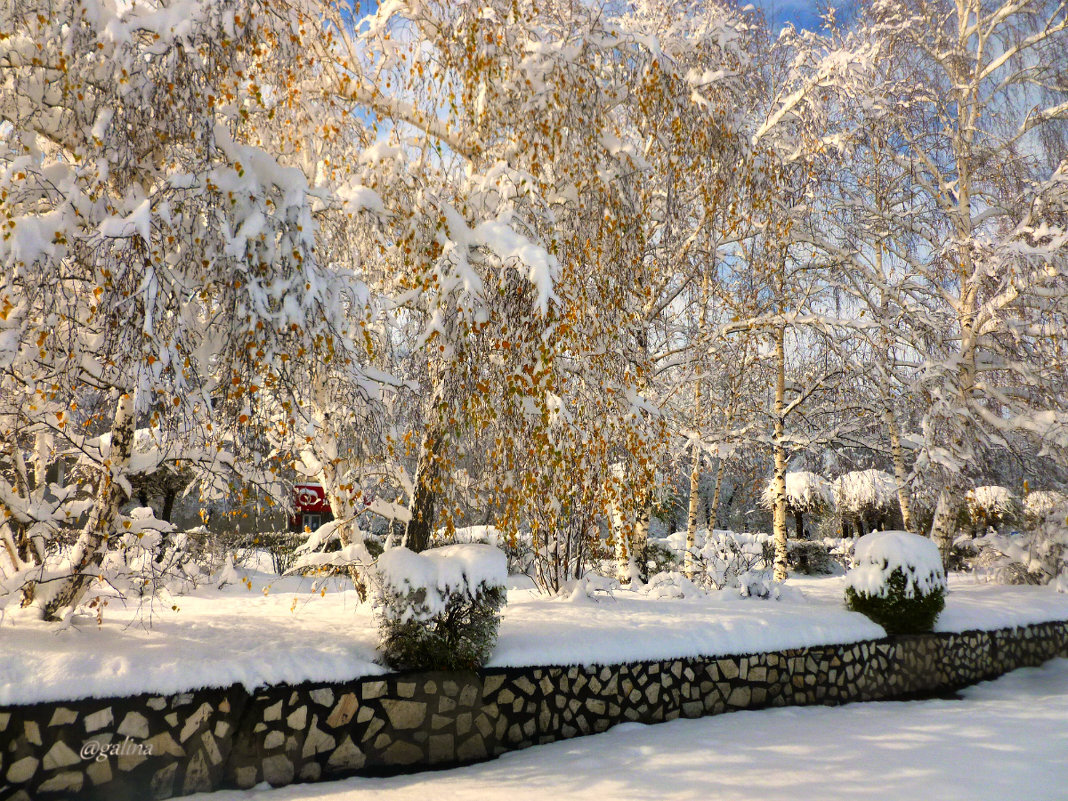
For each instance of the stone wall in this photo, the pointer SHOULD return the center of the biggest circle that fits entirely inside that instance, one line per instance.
(152, 746)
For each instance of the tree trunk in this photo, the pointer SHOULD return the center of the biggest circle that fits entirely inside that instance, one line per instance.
(89, 550)
(799, 522)
(695, 471)
(942, 525)
(424, 497)
(900, 475)
(695, 504)
(779, 514)
(713, 509)
(168, 503)
(639, 562)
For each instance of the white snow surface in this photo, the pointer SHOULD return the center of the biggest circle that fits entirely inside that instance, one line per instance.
(1003, 739)
(882, 552)
(450, 568)
(461, 569)
(239, 634)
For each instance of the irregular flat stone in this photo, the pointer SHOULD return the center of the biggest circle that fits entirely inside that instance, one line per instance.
(345, 709)
(273, 712)
(22, 770)
(70, 780)
(404, 715)
(134, 725)
(33, 732)
(60, 756)
(347, 756)
(277, 770)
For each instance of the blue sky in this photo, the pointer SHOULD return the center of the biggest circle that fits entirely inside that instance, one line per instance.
(802, 13)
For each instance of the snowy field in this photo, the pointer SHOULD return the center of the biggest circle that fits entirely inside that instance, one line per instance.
(279, 630)
(1003, 740)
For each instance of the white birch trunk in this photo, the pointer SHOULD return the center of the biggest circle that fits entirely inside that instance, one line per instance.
(779, 509)
(89, 550)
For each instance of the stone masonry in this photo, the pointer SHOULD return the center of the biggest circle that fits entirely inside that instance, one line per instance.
(152, 746)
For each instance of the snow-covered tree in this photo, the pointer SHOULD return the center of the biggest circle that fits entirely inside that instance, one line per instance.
(981, 102)
(160, 267)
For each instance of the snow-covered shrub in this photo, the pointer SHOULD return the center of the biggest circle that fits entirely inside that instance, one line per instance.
(865, 497)
(991, 507)
(659, 558)
(439, 609)
(760, 584)
(518, 547)
(811, 557)
(806, 494)
(898, 581)
(719, 558)
(671, 584)
(1035, 556)
(282, 546)
(148, 559)
(1039, 504)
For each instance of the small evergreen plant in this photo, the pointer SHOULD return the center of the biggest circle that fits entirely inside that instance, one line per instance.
(459, 638)
(896, 611)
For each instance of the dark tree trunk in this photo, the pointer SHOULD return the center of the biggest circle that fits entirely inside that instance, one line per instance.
(168, 503)
(799, 521)
(424, 499)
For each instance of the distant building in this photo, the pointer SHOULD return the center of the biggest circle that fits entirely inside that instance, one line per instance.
(310, 508)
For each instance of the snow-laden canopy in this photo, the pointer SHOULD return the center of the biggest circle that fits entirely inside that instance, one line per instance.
(991, 500)
(1040, 503)
(805, 492)
(864, 490)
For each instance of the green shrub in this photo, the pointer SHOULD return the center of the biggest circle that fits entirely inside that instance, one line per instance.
(459, 638)
(896, 611)
(439, 609)
(898, 581)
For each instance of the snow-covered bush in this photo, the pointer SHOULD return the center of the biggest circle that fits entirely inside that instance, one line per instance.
(811, 557)
(439, 609)
(865, 497)
(991, 507)
(898, 581)
(1039, 504)
(719, 558)
(671, 584)
(518, 547)
(806, 494)
(1038, 555)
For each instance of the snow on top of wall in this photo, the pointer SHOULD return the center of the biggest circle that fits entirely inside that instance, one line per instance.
(865, 489)
(280, 630)
(805, 491)
(882, 552)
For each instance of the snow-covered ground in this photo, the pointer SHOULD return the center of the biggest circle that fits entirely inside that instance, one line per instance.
(1005, 739)
(241, 634)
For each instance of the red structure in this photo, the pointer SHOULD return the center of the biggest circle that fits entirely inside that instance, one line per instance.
(311, 508)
